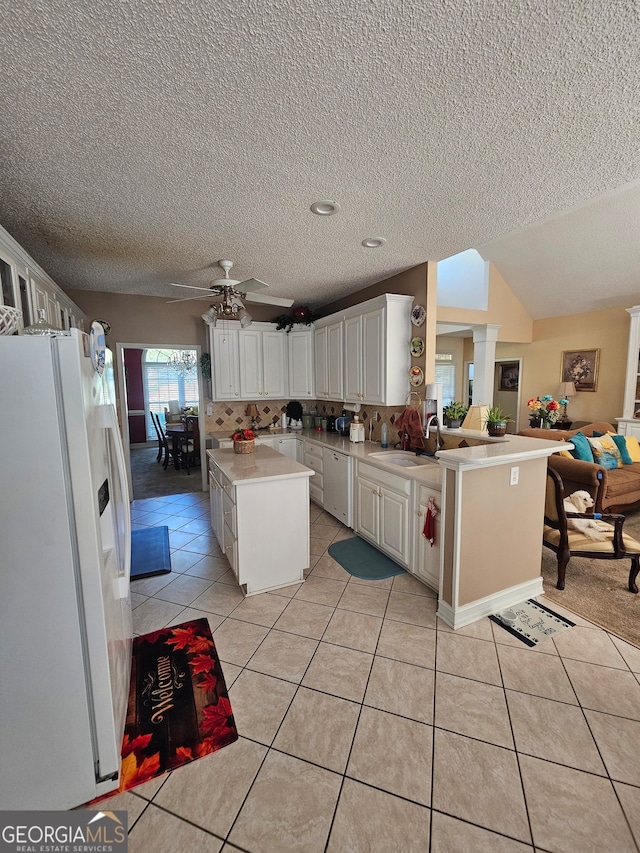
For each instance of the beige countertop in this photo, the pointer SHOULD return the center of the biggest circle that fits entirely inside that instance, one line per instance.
(263, 464)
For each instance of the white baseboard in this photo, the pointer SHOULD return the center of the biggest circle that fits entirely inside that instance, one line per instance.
(468, 613)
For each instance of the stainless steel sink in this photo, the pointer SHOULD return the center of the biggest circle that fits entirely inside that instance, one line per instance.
(403, 459)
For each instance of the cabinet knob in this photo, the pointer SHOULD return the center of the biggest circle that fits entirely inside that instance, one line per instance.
(419, 514)
(226, 512)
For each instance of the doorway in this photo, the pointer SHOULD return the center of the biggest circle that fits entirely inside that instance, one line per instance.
(507, 385)
(134, 418)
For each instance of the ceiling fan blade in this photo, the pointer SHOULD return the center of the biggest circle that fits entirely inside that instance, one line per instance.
(191, 286)
(209, 296)
(250, 284)
(269, 300)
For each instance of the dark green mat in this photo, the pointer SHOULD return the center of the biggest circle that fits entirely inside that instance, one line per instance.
(363, 560)
(150, 554)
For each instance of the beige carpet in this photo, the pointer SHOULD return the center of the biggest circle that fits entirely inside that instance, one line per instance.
(597, 589)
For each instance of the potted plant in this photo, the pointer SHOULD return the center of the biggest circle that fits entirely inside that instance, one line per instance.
(454, 414)
(496, 421)
(243, 440)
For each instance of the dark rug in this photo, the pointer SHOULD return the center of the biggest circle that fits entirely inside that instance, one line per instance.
(179, 709)
(363, 560)
(151, 479)
(150, 554)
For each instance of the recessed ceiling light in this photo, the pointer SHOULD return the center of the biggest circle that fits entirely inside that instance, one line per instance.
(373, 242)
(325, 208)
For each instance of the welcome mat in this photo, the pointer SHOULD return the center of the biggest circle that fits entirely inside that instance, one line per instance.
(178, 709)
(150, 553)
(535, 622)
(363, 560)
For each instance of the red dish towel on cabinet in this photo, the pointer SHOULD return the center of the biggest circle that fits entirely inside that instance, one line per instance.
(429, 529)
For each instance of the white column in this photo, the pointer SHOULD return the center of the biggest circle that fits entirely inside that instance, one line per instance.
(484, 358)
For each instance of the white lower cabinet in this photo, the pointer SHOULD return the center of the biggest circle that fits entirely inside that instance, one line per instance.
(313, 458)
(287, 445)
(382, 513)
(425, 561)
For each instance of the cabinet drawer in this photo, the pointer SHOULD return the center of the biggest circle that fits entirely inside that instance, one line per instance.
(231, 548)
(402, 485)
(316, 491)
(229, 513)
(314, 462)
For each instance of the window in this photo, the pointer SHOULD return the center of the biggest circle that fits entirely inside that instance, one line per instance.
(446, 376)
(162, 383)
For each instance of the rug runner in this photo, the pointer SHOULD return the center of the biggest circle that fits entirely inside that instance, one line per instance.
(535, 622)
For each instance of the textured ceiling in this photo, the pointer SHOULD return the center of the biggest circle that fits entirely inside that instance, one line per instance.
(142, 141)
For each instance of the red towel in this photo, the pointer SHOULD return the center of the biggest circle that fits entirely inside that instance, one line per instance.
(429, 529)
(411, 423)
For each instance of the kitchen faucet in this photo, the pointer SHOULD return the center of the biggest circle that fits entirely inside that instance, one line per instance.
(431, 419)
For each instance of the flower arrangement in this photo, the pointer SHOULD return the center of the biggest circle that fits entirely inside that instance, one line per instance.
(579, 370)
(545, 410)
(300, 315)
(243, 435)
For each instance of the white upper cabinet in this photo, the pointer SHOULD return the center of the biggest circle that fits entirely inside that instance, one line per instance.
(329, 356)
(262, 357)
(301, 372)
(225, 368)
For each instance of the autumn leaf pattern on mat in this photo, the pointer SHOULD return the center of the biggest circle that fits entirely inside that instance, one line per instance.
(179, 709)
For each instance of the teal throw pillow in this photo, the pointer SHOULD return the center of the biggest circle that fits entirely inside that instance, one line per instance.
(582, 448)
(621, 443)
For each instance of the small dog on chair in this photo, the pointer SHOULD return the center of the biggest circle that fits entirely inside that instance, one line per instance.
(580, 502)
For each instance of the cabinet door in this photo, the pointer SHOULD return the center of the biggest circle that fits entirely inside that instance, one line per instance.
(225, 371)
(367, 513)
(250, 358)
(426, 559)
(335, 361)
(287, 446)
(353, 360)
(215, 499)
(394, 516)
(274, 384)
(301, 365)
(372, 349)
(320, 349)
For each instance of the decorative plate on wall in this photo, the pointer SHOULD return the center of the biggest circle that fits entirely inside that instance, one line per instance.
(418, 315)
(417, 347)
(416, 377)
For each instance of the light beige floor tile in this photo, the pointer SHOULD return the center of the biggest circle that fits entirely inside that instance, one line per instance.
(220, 598)
(630, 799)
(230, 672)
(480, 783)
(200, 527)
(259, 704)
(362, 598)
(150, 586)
(315, 512)
(599, 688)
(237, 641)
(345, 533)
(325, 532)
(353, 630)
(630, 653)
(183, 560)
(210, 567)
(137, 599)
(339, 671)
(262, 609)
(305, 618)
(326, 518)
(480, 630)
(287, 591)
(180, 538)
(472, 708)
(319, 728)
(372, 821)
(554, 731)
(163, 833)
(149, 789)
(379, 583)
(539, 675)
(183, 590)
(408, 643)
(283, 655)
(588, 645)
(566, 809)
(414, 609)
(310, 794)
(504, 638)
(409, 583)
(188, 614)
(210, 791)
(467, 657)
(402, 689)
(619, 744)
(449, 835)
(404, 770)
(321, 590)
(327, 567)
(317, 547)
(127, 801)
(153, 614)
(229, 578)
(206, 544)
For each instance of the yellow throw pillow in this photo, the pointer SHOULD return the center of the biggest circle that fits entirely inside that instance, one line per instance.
(605, 452)
(633, 447)
(568, 455)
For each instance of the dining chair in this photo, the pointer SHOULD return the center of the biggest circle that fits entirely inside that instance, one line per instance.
(567, 542)
(156, 425)
(190, 443)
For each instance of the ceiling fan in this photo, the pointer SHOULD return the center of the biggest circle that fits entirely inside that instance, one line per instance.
(232, 293)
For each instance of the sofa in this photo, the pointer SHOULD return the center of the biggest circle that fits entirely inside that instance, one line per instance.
(614, 490)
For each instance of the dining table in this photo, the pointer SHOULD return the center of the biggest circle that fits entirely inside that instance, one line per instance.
(175, 433)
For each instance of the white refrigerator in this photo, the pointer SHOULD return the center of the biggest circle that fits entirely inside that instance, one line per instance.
(65, 547)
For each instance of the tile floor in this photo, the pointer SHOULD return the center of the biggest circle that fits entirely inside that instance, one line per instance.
(368, 725)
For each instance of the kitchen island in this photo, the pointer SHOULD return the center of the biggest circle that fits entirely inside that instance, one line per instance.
(260, 516)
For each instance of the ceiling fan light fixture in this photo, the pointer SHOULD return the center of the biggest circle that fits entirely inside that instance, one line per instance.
(325, 208)
(373, 242)
(245, 318)
(210, 316)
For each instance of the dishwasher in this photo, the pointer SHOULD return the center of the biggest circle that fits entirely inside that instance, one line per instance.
(337, 485)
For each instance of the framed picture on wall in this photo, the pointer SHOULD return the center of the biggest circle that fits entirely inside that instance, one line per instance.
(581, 368)
(509, 376)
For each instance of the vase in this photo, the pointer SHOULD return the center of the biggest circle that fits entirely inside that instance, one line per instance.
(535, 423)
(497, 428)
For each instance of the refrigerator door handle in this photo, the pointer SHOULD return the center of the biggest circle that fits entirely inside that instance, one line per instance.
(109, 421)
